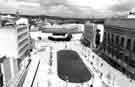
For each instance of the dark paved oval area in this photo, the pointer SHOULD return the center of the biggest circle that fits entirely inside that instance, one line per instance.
(71, 67)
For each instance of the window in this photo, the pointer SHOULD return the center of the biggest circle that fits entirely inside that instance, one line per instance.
(0, 69)
(23, 42)
(122, 42)
(117, 40)
(24, 48)
(128, 44)
(104, 36)
(134, 46)
(22, 35)
(108, 37)
(112, 39)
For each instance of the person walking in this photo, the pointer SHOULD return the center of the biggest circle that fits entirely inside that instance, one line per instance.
(97, 41)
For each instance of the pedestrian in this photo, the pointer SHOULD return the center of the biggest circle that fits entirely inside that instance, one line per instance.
(97, 38)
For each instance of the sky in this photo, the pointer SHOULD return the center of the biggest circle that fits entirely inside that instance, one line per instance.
(68, 8)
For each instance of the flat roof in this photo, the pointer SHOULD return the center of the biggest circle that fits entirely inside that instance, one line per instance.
(124, 23)
(8, 27)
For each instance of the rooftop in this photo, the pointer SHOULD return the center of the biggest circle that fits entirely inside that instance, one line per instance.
(125, 23)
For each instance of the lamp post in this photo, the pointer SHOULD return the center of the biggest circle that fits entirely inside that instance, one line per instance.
(113, 81)
(51, 55)
(67, 80)
(81, 84)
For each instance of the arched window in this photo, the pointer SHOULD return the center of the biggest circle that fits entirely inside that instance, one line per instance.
(122, 42)
(117, 40)
(128, 44)
(0, 69)
(108, 37)
(134, 46)
(112, 39)
(104, 36)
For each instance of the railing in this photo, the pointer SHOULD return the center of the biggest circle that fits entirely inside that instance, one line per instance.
(30, 78)
(21, 81)
(35, 75)
(23, 76)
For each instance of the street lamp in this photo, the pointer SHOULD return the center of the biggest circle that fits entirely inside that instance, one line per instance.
(67, 80)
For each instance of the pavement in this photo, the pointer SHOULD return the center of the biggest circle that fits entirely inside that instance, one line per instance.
(110, 77)
(47, 76)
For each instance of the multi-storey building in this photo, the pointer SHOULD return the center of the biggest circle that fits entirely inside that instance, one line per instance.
(119, 44)
(15, 48)
(89, 34)
(113, 59)
(14, 41)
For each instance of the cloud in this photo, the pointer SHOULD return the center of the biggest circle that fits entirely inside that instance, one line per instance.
(52, 2)
(7, 7)
(30, 7)
(62, 8)
(123, 5)
(29, 4)
(66, 9)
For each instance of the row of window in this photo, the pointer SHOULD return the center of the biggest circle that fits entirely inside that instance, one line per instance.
(112, 43)
(119, 47)
(23, 42)
(21, 28)
(22, 35)
(120, 41)
(24, 48)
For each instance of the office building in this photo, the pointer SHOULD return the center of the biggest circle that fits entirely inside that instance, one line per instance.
(15, 48)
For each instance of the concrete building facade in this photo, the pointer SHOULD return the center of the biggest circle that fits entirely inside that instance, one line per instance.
(15, 48)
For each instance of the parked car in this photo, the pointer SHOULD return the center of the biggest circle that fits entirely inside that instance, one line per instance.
(66, 37)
